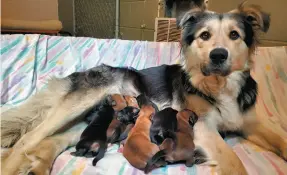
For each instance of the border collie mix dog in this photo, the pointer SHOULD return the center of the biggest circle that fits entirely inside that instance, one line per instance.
(214, 81)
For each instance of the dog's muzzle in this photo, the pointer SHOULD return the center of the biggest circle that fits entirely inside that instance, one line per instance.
(218, 56)
(218, 63)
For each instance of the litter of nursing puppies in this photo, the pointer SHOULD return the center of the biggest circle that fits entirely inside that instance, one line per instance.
(151, 138)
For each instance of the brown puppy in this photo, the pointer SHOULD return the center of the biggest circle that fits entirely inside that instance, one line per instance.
(183, 148)
(131, 101)
(138, 149)
(119, 104)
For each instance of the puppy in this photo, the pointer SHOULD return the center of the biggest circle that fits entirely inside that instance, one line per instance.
(120, 102)
(94, 112)
(131, 101)
(93, 141)
(164, 125)
(138, 149)
(91, 136)
(118, 129)
(183, 148)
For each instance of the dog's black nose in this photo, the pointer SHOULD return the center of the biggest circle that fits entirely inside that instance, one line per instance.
(218, 56)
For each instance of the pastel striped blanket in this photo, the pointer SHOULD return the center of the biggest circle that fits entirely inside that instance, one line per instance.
(28, 61)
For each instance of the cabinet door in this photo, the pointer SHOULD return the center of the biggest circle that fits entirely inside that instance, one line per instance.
(137, 19)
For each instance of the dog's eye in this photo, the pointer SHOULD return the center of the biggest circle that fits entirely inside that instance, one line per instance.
(205, 36)
(234, 35)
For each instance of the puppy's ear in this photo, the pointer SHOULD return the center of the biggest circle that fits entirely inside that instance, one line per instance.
(253, 14)
(190, 16)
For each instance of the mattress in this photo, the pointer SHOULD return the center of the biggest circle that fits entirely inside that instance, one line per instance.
(28, 61)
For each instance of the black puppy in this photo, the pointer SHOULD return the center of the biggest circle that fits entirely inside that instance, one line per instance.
(164, 125)
(94, 112)
(106, 127)
(93, 141)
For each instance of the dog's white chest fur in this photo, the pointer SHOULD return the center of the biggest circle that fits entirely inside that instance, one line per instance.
(226, 115)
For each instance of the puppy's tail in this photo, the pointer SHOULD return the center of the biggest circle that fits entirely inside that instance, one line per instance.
(156, 161)
(20, 120)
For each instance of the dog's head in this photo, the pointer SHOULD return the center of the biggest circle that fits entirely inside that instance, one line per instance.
(218, 44)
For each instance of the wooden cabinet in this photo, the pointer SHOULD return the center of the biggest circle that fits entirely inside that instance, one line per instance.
(137, 18)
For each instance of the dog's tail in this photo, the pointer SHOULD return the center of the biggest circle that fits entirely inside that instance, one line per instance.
(20, 120)
(156, 161)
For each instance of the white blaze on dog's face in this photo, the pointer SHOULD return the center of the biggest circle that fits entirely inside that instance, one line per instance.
(218, 44)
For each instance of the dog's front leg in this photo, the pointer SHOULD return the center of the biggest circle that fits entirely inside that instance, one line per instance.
(40, 158)
(217, 150)
(70, 108)
(265, 137)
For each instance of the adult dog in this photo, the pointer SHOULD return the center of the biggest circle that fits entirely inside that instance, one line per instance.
(214, 81)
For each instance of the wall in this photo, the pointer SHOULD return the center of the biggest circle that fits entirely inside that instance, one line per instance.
(32, 10)
(277, 34)
(95, 18)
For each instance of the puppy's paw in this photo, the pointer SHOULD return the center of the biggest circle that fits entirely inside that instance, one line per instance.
(86, 150)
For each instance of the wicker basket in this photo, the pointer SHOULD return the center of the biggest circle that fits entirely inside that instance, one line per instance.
(166, 30)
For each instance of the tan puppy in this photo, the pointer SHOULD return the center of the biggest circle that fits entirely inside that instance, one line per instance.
(138, 149)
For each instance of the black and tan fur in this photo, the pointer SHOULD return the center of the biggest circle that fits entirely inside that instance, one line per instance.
(216, 84)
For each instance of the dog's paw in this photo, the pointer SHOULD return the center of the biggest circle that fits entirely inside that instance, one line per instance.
(34, 165)
(284, 150)
(34, 162)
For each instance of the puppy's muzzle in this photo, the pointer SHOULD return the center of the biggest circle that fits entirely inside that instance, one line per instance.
(218, 56)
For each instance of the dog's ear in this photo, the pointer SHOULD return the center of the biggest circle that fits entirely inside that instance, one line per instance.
(190, 16)
(253, 14)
